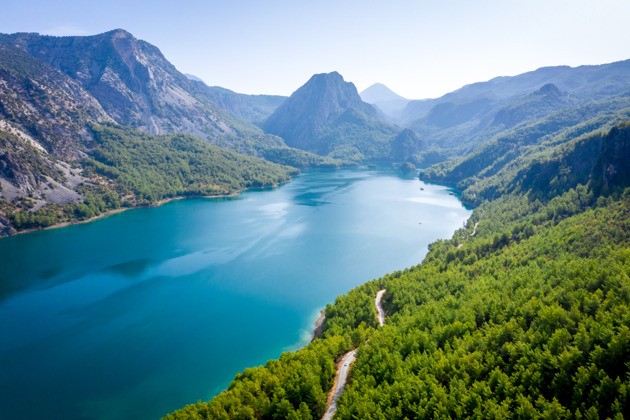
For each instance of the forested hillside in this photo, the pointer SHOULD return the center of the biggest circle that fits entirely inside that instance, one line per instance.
(130, 168)
(55, 93)
(524, 313)
(557, 151)
(457, 123)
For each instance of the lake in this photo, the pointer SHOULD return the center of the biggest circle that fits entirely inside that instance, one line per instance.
(140, 313)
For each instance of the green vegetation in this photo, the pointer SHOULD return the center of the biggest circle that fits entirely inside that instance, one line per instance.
(153, 168)
(548, 155)
(293, 387)
(97, 200)
(528, 319)
(524, 313)
(356, 137)
(129, 168)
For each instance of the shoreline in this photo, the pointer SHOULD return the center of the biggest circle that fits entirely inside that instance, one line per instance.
(123, 209)
(319, 325)
(145, 206)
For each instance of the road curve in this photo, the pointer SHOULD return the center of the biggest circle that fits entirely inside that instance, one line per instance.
(346, 362)
(474, 230)
(342, 378)
(379, 307)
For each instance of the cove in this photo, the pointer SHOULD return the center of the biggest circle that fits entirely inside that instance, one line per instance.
(138, 314)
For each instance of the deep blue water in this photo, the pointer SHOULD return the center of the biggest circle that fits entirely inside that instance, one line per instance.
(140, 313)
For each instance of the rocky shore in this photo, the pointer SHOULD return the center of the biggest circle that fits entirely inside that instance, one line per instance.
(319, 325)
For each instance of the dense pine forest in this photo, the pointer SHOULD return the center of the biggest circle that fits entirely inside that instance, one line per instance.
(523, 313)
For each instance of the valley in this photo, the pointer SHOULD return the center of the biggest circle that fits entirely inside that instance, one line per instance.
(516, 306)
(173, 301)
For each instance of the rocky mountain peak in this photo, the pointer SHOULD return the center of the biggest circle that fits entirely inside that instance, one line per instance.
(118, 33)
(130, 78)
(314, 106)
(332, 93)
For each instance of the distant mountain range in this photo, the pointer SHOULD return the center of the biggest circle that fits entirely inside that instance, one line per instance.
(391, 103)
(587, 82)
(458, 122)
(56, 91)
(463, 119)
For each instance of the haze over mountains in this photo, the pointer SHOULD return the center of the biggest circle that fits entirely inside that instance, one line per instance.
(457, 122)
(391, 103)
(57, 89)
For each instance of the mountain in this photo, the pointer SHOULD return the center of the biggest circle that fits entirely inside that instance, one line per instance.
(385, 99)
(252, 108)
(58, 92)
(378, 92)
(314, 106)
(458, 122)
(138, 87)
(495, 167)
(193, 77)
(44, 120)
(327, 116)
(542, 102)
(38, 102)
(130, 78)
(586, 82)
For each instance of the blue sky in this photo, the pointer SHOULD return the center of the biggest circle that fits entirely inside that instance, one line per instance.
(419, 49)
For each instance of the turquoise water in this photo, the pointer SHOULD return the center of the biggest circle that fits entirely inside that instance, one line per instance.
(140, 313)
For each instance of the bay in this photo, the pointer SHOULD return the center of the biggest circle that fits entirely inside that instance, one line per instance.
(140, 313)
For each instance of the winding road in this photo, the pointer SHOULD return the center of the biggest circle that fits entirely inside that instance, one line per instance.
(475, 229)
(340, 383)
(472, 234)
(346, 362)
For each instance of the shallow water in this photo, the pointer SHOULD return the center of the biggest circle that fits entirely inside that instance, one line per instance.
(140, 313)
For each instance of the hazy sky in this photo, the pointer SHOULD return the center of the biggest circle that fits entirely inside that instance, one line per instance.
(418, 48)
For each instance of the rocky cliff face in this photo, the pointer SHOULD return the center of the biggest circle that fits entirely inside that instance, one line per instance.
(327, 116)
(613, 165)
(44, 118)
(44, 106)
(52, 89)
(131, 79)
(315, 106)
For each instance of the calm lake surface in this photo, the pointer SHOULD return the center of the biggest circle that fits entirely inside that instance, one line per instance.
(140, 313)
